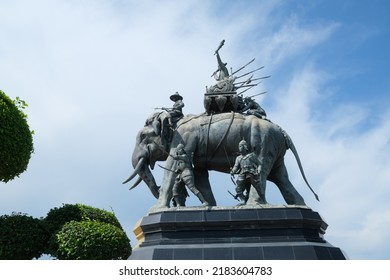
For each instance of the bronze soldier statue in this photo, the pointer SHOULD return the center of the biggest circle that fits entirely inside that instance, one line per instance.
(253, 108)
(170, 117)
(184, 178)
(176, 112)
(221, 75)
(247, 166)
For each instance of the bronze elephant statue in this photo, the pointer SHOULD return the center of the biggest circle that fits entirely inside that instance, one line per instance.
(212, 140)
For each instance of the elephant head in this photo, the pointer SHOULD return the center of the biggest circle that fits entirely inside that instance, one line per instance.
(149, 148)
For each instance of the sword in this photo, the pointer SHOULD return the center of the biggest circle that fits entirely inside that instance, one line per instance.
(232, 178)
(220, 46)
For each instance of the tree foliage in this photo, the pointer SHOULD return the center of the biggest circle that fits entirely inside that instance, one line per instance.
(92, 240)
(16, 142)
(58, 218)
(70, 232)
(22, 237)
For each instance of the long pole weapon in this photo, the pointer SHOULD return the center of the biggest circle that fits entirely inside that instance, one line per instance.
(234, 196)
(167, 168)
(249, 72)
(264, 92)
(242, 67)
(248, 88)
(231, 175)
(227, 157)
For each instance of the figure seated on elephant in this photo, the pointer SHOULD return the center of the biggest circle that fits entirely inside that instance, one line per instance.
(253, 108)
(164, 122)
(176, 112)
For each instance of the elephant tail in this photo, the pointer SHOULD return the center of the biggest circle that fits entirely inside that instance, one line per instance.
(290, 145)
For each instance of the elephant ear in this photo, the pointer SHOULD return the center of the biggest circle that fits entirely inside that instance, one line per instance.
(156, 127)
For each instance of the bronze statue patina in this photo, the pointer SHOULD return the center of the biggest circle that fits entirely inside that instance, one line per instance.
(176, 112)
(221, 75)
(185, 177)
(247, 165)
(224, 96)
(165, 121)
(253, 108)
(207, 138)
(212, 138)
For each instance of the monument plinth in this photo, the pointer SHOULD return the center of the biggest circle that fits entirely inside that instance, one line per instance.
(235, 233)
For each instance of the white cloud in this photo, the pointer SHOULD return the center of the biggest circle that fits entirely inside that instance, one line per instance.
(348, 167)
(293, 38)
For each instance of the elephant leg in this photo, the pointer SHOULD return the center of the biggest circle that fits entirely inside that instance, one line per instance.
(202, 183)
(260, 188)
(257, 191)
(279, 176)
(166, 195)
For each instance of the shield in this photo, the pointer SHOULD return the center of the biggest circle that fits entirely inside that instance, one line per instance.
(221, 102)
(234, 100)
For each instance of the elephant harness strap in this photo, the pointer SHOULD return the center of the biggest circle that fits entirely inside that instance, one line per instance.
(220, 142)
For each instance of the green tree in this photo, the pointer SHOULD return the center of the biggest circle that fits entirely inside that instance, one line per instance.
(16, 142)
(67, 241)
(92, 240)
(22, 237)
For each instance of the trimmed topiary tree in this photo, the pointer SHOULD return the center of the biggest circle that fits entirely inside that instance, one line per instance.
(16, 143)
(58, 218)
(22, 237)
(92, 240)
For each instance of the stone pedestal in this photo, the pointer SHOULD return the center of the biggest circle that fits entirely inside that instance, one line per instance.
(234, 233)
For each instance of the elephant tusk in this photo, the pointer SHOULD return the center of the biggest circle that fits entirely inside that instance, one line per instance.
(136, 170)
(139, 180)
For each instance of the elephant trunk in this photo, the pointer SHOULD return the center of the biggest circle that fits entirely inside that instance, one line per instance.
(149, 180)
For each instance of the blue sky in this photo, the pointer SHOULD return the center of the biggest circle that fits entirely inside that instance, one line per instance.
(91, 72)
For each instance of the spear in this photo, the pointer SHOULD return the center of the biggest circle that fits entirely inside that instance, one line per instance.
(234, 196)
(250, 85)
(251, 80)
(257, 94)
(261, 78)
(242, 67)
(245, 90)
(227, 157)
(250, 72)
(247, 81)
(167, 169)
